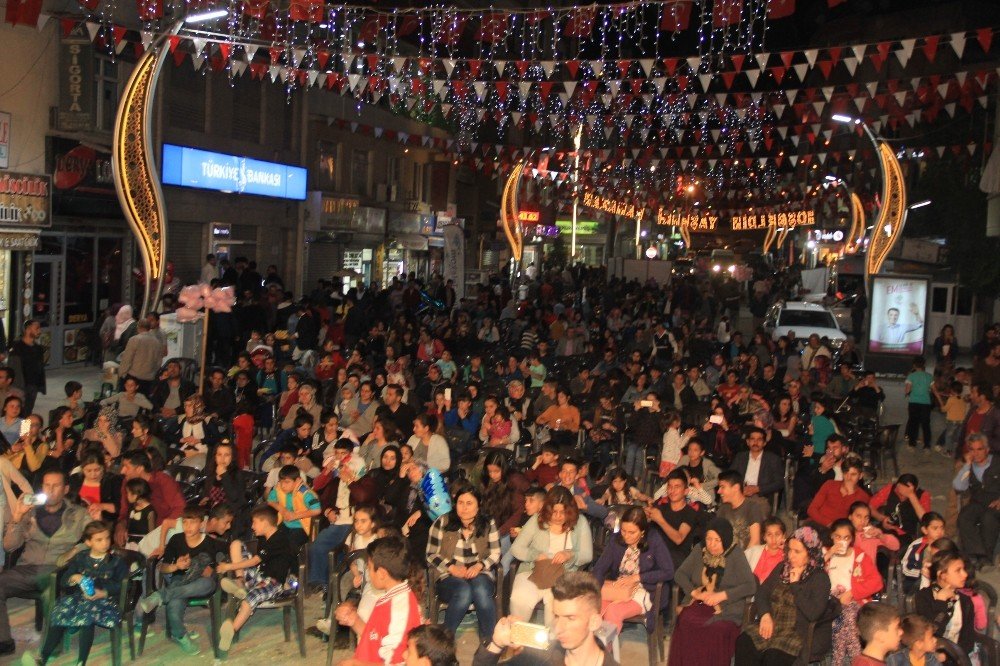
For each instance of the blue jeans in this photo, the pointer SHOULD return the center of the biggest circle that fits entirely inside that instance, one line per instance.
(950, 436)
(458, 593)
(175, 599)
(635, 460)
(506, 558)
(319, 550)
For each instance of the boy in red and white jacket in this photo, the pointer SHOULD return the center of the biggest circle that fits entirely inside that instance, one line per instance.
(382, 639)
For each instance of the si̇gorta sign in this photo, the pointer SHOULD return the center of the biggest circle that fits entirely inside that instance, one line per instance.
(202, 169)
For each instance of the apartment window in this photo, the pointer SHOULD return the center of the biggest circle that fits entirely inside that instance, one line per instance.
(246, 112)
(393, 171)
(360, 173)
(186, 99)
(416, 186)
(107, 88)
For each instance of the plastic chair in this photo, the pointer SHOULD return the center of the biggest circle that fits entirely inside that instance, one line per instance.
(893, 576)
(293, 601)
(340, 569)
(656, 634)
(435, 605)
(990, 593)
(884, 447)
(989, 649)
(956, 655)
(213, 602)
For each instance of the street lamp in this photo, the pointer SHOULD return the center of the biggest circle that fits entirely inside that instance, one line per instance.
(205, 16)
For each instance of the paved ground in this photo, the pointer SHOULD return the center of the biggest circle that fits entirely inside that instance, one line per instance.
(263, 642)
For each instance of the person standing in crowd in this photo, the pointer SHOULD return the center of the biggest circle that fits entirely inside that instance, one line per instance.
(27, 360)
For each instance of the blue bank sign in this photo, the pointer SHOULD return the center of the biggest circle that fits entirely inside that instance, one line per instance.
(190, 167)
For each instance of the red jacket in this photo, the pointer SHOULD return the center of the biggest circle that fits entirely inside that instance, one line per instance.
(829, 504)
(167, 498)
(866, 581)
(383, 640)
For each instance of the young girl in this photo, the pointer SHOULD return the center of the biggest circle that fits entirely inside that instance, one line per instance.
(621, 491)
(141, 515)
(854, 578)
(820, 426)
(364, 530)
(94, 576)
(673, 443)
(951, 613)
(869, 538)
(916, 556)
(765, 557)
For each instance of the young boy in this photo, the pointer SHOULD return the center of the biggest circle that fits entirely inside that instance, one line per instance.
(534, 498)
(878, 626)
(265, 574)
(955, 408)
(932, 529)
(545, 471)
(287, 455)
(296, 503)
(382, 639)
(188, 565)
(920, 642)
(74, 399)
(430, 645)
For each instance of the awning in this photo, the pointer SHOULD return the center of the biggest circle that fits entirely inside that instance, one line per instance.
(409, 241)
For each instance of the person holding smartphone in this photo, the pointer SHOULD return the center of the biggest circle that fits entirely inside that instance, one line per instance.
(576, 618)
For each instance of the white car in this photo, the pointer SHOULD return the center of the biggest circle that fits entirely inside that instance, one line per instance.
(805, 319)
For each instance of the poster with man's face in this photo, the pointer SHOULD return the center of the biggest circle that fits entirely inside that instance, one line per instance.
(898, 307)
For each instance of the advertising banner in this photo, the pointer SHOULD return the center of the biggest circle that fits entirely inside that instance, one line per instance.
(25, 200)
(898, 309)
(202, 169)
(4, 140)
(81, 170)
(454, 256)
(76, 81)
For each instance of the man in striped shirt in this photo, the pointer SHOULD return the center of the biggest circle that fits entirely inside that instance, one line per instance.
(382, 639)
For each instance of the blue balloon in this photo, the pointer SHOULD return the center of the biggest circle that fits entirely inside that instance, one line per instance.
(436, 493)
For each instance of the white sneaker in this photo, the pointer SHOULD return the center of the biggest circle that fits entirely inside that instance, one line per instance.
(231, 587)
(323, 625)
(226, 633)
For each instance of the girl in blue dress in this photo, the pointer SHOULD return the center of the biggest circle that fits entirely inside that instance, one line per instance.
(93, 579)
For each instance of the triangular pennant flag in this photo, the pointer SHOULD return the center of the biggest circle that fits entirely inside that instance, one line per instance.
(811, 56)
(905, 51)
(706, 80)
(449, 66)
(92, 29)
(753, 75)
(800, 71)
(761, 59)
(930, 47)
(859, 51)
(851, 64)
(958, 43)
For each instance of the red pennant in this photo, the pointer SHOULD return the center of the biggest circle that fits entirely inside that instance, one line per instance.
(670, 65)
(728, 78)
(67, 26)
(522, 67)
(833, 3)
(737, 60)
(984, 36)
(268, 27)
(580, 22)
(779, 73)
(726, 13)
(826, 66)
(778, 9)
(474, 66)
(173, 41)
(179, 57)
(492, 28)
(408, 25)
(676, 15)
(572, 66)
(23, 11)
(275, 54)
(119, 33)
(322, 57)
(225, 49)
(786, 57)
(877, 60)
(930, 47)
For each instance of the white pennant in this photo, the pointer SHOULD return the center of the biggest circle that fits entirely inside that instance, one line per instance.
(449, 66)
(198, 43)
(872, 88)
(811, 57)
(500, 65)
(598, 67)
(828, 92)
(147, 39)
(905, 51)
(762, 60)
(753, 75)
(570, 87)
(794, 159)
(647, 66)
(851, 64)
(940, 151)
(43, 19)
(694, 63)
(900, 97)
(92, 29)
(800, 71)
(942, 90)
(859, 51)
(958, 43)
(548, 66)
(819, 106)
(311, 77)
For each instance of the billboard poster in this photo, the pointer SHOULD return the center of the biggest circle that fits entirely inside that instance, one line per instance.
(898, 309)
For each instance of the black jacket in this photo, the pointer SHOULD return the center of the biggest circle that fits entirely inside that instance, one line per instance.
(161, 391)
(772, 471)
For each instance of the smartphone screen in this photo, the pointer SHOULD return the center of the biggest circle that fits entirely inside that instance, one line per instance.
(25, 427)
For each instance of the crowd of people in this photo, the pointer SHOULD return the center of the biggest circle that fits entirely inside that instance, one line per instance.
(571, 452)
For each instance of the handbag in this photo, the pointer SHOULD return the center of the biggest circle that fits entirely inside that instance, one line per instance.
(545, 574)
(614, 593)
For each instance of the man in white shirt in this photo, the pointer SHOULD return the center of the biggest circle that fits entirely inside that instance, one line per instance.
(210, 271)
(813, 350)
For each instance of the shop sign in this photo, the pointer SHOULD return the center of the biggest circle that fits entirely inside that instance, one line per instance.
(583, 227)
(411, 223)
(221, 232)
(338, 212)
(76, 81)
(4, 140)
(783, 220)
(454, 256)
(411, 242)
(18, 241)
(81, 169)
(368, 220)
(608, 205)
(206, 170)
(25, 200)
(352, 260)
(691, 220)
(827, 236)
(542, 231)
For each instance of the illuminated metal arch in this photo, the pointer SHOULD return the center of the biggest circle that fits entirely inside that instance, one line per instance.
(891, 218)
(509, 212)
(134, 166)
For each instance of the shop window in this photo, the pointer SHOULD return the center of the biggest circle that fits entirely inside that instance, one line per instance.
(186, 99)
(107, 89)
(50, 245)
(80, 287)
(939, 299)
(964, 299)
(109, 272)
(325, 172)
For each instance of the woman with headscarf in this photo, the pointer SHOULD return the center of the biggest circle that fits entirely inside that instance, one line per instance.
(716, 581)
(125, 328)
(106, 432)
(390, 488)
(197, 432)
(795, 594)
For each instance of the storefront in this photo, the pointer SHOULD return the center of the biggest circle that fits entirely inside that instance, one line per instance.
(407, 246)
(83, 264)
(591, 240)
(342, 240)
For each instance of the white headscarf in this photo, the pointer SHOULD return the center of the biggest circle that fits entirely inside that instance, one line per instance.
(123, 320)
